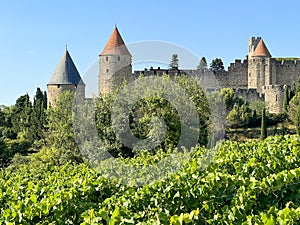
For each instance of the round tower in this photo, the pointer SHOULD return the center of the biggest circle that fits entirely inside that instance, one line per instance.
(65, 77)
(114, 64)
(259, 64)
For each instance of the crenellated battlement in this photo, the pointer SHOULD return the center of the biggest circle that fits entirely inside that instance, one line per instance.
(249, 95)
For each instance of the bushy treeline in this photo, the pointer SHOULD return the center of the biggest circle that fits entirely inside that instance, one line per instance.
(22, 125)
(154, 119)
(155, 122)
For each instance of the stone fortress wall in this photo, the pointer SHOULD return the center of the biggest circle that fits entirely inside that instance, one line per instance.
(258, 77)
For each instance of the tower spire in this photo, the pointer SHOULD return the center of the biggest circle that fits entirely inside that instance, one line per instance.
(115, 45)
(261, 50)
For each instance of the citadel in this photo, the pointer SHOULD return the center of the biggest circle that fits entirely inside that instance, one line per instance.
(259, 77)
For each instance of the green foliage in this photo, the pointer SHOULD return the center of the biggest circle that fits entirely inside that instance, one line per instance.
(21, 125)
(297, 120)
(38, 117)
(143, 117)
(60, 135)
(263, 129)
(9, 148)
(287, 59)
(217, 65)
(285, 99)
(202, 64)
(240, 115)
(21, 115)
(174, 64)
(257, 106)
(246, 183)
(294, 111)
(229, 98)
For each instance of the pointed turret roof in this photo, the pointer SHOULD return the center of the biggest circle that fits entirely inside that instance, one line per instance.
(261, 50)
(66, 72)
(115, 45)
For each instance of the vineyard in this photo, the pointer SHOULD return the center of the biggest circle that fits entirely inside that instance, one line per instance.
(245, 183)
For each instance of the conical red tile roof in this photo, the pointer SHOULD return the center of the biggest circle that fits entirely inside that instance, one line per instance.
(261, 50)
(115, 45)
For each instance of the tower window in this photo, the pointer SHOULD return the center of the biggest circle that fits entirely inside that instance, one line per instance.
(118, 58)
(106, 58)
(58, 86)
(107, 70)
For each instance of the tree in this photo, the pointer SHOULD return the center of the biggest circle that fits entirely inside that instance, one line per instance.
(174, 64)
(38, 118)
(147, 114)
(240, 115)
(21, 114)
(228, 97)
(2, 118)
(297, 120)
(60, 138)
(285, 99)
(217, 65)
(263, 131)
(202, 64)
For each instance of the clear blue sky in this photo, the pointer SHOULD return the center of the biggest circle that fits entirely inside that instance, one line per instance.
(33, 34)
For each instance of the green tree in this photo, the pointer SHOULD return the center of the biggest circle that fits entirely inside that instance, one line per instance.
(21, 116)
(285, 99)
(3, 153)
(257, 106)
(174, 64)
(263, 132)
(38, 117)
(228, 97)
(297, 120)
(240, 115)
(143, 117)
(60, 138)
(2, 118)
(202, 64)
(217, 65)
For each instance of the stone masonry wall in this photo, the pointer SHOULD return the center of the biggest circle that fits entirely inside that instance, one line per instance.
(274, 98)
(237, 74)
(285, 72)
(55, 90)
(249, 95)
(113, 69)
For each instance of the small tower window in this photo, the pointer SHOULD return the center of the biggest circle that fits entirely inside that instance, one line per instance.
(58, 86)
(119, 58)
(107, 70)
(106, 58)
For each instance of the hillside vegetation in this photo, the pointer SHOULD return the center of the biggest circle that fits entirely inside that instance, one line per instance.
(245, 183)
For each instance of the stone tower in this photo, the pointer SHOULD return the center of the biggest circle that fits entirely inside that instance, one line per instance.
(65, 77)
(259, 64)
(114, 64)
(252, 44)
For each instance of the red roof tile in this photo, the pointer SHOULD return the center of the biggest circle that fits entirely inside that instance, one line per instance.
(261, 50)
(115, 45)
